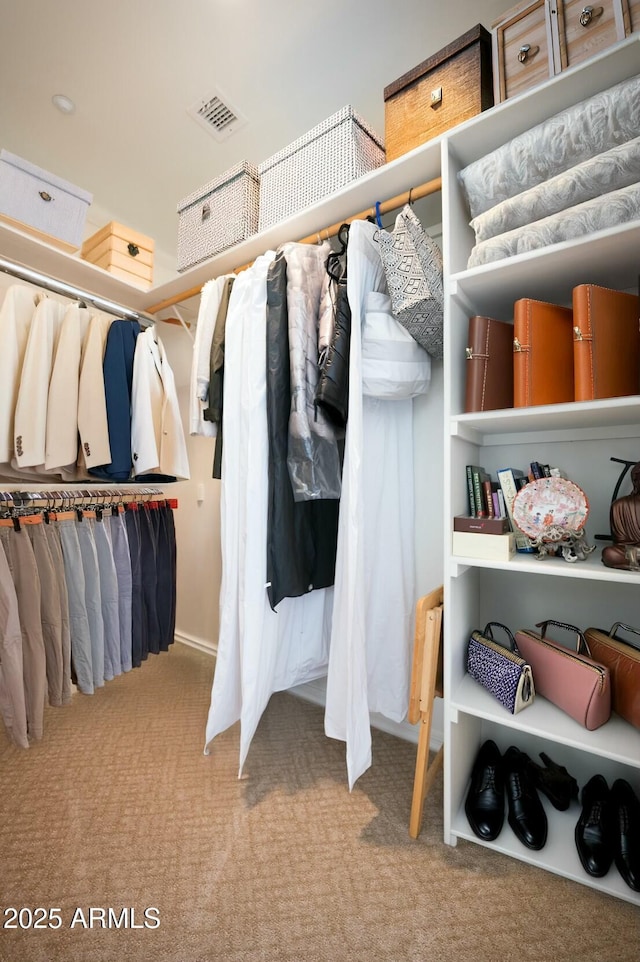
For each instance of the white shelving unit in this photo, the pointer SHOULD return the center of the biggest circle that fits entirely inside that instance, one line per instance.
(580, 438)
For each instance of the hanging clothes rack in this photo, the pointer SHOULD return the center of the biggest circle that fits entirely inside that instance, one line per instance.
(383, 207)
(61, 287)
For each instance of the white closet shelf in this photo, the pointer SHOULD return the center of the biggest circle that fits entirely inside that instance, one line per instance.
(416, 167)
(617, 740)
(559, 855)
(608, 257)
(595, 420)
(590, 570)
(39, 256)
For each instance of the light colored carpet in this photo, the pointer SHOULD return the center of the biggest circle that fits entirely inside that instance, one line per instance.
(118, 808)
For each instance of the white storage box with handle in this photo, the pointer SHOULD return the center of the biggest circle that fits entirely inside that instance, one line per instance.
(218, 215)
(331, 155)
(33, 198)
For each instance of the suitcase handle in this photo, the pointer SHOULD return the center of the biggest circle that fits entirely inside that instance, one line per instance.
(489, 634)
(634, 631)
(581, 641)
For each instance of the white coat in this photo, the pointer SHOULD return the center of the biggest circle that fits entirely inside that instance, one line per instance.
(370, 653)
(157, 437)
(62, 406)
(260, 651)
(92, 405)
(201, 359)
(17, 310)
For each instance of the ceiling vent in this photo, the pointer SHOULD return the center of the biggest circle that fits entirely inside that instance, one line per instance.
(216, 115)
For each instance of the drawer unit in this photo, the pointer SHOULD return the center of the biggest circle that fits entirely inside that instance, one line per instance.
(124, 252)
(444, 90)
(587, 28)
(540, 38)
(523, 49)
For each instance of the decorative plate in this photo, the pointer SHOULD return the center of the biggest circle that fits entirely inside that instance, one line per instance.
(550, 503)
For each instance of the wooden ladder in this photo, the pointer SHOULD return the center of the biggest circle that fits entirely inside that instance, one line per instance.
(426, 685)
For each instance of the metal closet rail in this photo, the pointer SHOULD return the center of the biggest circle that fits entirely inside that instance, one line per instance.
(384, 207)
(57, 286)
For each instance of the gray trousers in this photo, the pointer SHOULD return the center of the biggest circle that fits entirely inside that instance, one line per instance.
(122, 559)
(108, 597)
(76, 592)
(24, 572)
(53, 537)
(50, 611)
(92, 596)
(12, 706)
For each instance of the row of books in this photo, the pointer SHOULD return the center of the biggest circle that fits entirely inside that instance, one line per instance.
(491, 511)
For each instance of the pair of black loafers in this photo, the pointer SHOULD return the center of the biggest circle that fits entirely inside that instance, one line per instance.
(517, 777)
(608, 830)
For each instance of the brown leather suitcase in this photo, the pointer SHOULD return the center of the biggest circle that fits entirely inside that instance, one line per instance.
(606, 343)
(489, 365)
(542, 353)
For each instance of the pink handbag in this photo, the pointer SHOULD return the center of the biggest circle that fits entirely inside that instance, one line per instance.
(572, 680)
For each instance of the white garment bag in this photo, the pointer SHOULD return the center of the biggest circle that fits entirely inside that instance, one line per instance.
(259, 651)
(370, 653)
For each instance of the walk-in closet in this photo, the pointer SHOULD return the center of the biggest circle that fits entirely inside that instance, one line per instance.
(251, 514)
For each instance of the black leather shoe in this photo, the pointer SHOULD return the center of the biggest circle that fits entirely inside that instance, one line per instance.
(484, 803)
(625, 828)
(527, 816)
(554, 781)
(593, 831)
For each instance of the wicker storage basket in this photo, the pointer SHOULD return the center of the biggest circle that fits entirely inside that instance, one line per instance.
(337, 151)
(218, 215)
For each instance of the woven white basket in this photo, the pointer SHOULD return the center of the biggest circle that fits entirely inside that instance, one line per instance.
(337, 151)
(218, 215)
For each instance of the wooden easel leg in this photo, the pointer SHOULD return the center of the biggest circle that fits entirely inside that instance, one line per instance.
(424, 776)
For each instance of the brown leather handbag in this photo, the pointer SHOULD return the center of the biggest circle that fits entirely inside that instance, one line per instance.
(622, 658)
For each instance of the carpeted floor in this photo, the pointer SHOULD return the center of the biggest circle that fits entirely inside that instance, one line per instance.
(118, 808)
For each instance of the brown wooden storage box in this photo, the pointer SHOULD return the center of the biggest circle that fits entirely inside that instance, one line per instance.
(123, 252)
(454, 84)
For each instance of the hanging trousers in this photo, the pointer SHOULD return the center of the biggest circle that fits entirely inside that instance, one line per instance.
(76, 592)
(92, 596)
(53, 537)
(50, 610)
(12, 705)
(24, 572)
(169, 564)
(139, 641)
(108, 598)
(148, 559)
(122, 559)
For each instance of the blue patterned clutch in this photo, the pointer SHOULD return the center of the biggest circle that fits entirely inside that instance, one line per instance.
(500, 670)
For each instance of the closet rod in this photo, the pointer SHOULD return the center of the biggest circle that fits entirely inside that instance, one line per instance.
(60, 287)
(415, 193)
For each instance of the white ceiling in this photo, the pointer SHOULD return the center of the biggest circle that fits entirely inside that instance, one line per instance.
(134, 67)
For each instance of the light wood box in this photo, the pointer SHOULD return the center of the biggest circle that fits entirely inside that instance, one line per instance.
(441, 92)
(632, 24)
(540, 38)
(124, 252)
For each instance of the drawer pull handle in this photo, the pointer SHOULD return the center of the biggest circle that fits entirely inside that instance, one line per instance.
(133, 249)
(206, 212)
(526, 51)
(45, 195)
(588, 14)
